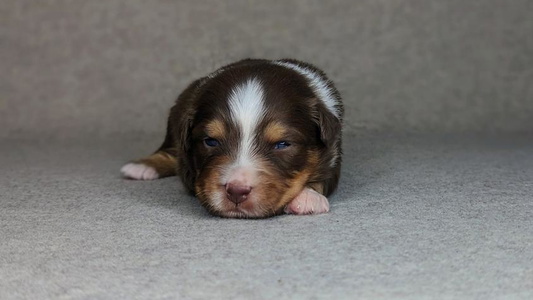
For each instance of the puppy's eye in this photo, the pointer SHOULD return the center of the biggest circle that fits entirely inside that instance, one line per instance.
(211, 142)
(281, 145)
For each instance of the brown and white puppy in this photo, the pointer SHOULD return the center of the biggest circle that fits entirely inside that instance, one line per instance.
(253, 139)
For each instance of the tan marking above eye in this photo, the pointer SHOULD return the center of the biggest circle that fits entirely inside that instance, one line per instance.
(275, 132)
(215, 129)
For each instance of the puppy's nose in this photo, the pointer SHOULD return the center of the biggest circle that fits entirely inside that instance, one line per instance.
(237, 193)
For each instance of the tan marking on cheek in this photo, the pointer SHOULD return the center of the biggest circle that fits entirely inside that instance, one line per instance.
(276, 193)
(313, 158)
(275, 132)
(300, 180)
(215, 129)
(208, 188)
(297, 184)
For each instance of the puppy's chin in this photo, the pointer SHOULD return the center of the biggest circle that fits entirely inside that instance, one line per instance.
(244, 211)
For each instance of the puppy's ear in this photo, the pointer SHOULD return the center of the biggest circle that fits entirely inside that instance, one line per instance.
(330, 126)
(180, 121)
(180, 124)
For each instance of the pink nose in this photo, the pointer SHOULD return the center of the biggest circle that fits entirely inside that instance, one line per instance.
(237, 193)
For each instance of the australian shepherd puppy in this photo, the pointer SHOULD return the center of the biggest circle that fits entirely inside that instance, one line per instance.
(253, 139)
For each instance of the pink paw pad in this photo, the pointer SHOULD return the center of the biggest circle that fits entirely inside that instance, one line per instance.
(308, 202)
(139, 172)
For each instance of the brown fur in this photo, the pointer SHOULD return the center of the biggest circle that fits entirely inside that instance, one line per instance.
(293, 113)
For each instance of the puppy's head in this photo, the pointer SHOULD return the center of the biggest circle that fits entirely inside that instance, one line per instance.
(257, 137)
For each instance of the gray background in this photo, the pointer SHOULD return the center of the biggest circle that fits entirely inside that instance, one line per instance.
(111, 67)
(435, 199)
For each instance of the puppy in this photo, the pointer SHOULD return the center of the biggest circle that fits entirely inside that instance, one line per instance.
(253, 139)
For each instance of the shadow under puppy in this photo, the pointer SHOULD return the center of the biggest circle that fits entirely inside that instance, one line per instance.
(253, 139)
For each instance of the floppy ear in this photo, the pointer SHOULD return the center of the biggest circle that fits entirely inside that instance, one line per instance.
(330, 126)
(180, 124)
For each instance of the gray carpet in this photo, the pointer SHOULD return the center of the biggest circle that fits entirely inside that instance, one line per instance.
(436, 195)
(442, 217)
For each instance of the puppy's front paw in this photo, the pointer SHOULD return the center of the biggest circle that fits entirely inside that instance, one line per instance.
(139, 172)
(308, 202)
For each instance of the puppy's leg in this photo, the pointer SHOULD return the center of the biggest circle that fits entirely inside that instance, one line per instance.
(162, 163)
(158, 165)
(307, 202)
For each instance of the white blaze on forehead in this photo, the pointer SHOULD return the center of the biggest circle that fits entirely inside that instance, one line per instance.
(318, 84)
(247, 109)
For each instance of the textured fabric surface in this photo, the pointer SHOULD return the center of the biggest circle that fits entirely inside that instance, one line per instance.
(109, 66)
(438, 207)
(415, 217)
